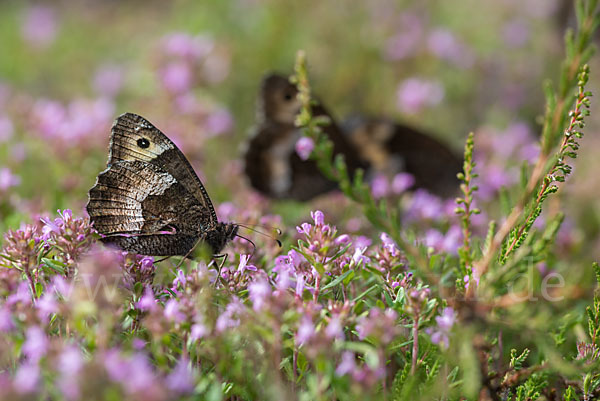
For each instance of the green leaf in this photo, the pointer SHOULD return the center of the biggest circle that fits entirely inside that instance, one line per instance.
(337, 280)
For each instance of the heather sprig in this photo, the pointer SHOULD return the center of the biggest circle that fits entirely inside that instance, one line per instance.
(465, 207)
(570, 91)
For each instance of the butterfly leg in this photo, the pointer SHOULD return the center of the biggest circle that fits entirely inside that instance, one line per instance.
(220, 266)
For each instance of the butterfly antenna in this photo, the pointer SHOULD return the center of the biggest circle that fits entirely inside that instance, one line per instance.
(248, 227)
(253, 244)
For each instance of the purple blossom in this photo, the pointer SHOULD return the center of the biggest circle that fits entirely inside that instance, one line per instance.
(516, 33)
(172, 311)
(542, 9)
(39, 26)
(401, 182)
(36, 343)
(70, 364)
(198, 331)
(27, 378)
(380, 187)
(381, 325)
(147, 302)
(219, 122)
(181, 44)
(134, 374)
(8, 179)
(176, 77)
(343, 239)
(318, 217)
(108, 80)
(46, 306)
(389, 244)
(304, 147)
(405, 42)
(359, 256)
(139, 377)
(259, 291)
(335, 329)
(439, 335)
(448, 242)
(243, 265)
(300, 281)
(347, 365)
(360, 241)
(414, 94)
(6, 128)
(306, 330)
(181, 379)
(230, 318)
(445, 45)
(23, 295)
(304, 228)
(424, 206)
(6, 320)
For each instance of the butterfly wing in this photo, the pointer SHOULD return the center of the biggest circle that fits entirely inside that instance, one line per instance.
(144, 209)
(390, 148)
(274, 169)
(133, 138)
(271, 163)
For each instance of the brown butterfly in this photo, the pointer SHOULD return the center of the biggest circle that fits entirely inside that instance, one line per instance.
(377, 145)
(271, 162)
(149, 200)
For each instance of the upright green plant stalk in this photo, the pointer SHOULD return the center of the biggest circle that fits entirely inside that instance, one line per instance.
(579, 49)
(465, 208)
(560, 169)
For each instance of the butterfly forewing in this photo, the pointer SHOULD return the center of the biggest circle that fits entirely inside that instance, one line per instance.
(135, 138)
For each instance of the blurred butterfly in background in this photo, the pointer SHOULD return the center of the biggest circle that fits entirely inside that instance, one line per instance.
(149, 200)
(377, 145)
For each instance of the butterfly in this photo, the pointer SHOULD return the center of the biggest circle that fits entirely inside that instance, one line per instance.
(149, 200)
(377, 145)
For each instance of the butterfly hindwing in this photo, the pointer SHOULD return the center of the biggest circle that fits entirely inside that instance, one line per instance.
(135, 138)
(134, 203)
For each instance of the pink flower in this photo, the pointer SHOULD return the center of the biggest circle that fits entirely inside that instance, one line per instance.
(172, 311)
(176, 77)
(108, 80)
(516, 33)
(6, 128)
(306, 330)
(445, 45)
(181, 379)
(182, 44)
(147, 302)
(402, 182)
(198, 331)
(39, 26)
(259, 291)
(380, 187)
(414, 94)
(27, 378)
(405, 42)
(6, 321)
(8, 179)
(219, 122)
(36, 343)
(318, 217)
(347, 365)
(304, 147)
